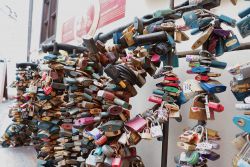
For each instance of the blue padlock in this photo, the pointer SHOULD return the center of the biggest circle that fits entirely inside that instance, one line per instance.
(244, 12)
(204, 22)
(116, 37)
(50, 57)
(171, 40)
(243, 122)
(218, 64)
(200, 69)
(232, 42)
(244, 26)
(242, 163)
(240, 96)
(182, 98)
(191, 19)
(213, 86)
(228, 20)
(219, 49)
(175, 61)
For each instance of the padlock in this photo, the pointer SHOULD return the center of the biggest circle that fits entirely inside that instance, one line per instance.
(243, 24)
(186, 146)
(155, 99)
(93, 159)
(137, 124)
(198, 110)
(193, 158)
(232, 42)
(203, 38)
(219, 50)
(213, 86)
(134, 138)
(190, 19)
(212, 156)
(146, 134)
(242, 121)
(216, 106)
(117, 110)
(156, 130)
(107, 150)
(113, 73)
(108, 161)
(117, 162)
(124, 138)
(228, 20)
(95, 133)
(239, 142)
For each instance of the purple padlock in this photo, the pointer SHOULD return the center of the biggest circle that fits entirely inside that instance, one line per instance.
(95, 133)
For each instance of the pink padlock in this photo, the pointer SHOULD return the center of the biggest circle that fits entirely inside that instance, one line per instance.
(137, 124)
(117, 162)
(155, 99)
(84, 121)
(44, 75)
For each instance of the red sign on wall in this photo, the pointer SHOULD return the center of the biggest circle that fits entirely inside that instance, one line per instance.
(100, 13)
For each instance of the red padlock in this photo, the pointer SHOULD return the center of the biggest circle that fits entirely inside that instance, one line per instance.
(101, 141)
(67, 126)
(171, 84)
(117, 162)
(106, 95)
(155, 99)
(47, 90)
(202, 78)
(133, 151)
(216, 106)
(171, 78)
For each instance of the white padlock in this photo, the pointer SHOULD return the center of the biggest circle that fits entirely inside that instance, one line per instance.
(156, 130)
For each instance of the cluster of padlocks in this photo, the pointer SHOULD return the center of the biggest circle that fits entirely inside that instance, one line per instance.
(199, 143)
(75, 115)
(240, 88)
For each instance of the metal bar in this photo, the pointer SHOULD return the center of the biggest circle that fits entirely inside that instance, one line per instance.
(29, 29)
(171, 4)
(164, 154)
(164, 147)
(67, 47)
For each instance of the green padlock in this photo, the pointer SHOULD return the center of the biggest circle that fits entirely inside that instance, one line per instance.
(194, 158)
(162, 13)
(171, 89)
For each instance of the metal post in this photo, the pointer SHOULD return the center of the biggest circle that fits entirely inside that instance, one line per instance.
(171, 4)
(164, 151)
(29, 29)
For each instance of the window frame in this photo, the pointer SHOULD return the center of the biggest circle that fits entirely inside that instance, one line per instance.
(49, 19)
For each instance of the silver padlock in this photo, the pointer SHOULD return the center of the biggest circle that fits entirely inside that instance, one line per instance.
(124, 138)
(146, 134)
(107, 150)
(91, 160)
(156, 130)
(108, 161)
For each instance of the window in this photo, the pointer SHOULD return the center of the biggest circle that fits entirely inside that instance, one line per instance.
(48, 27)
